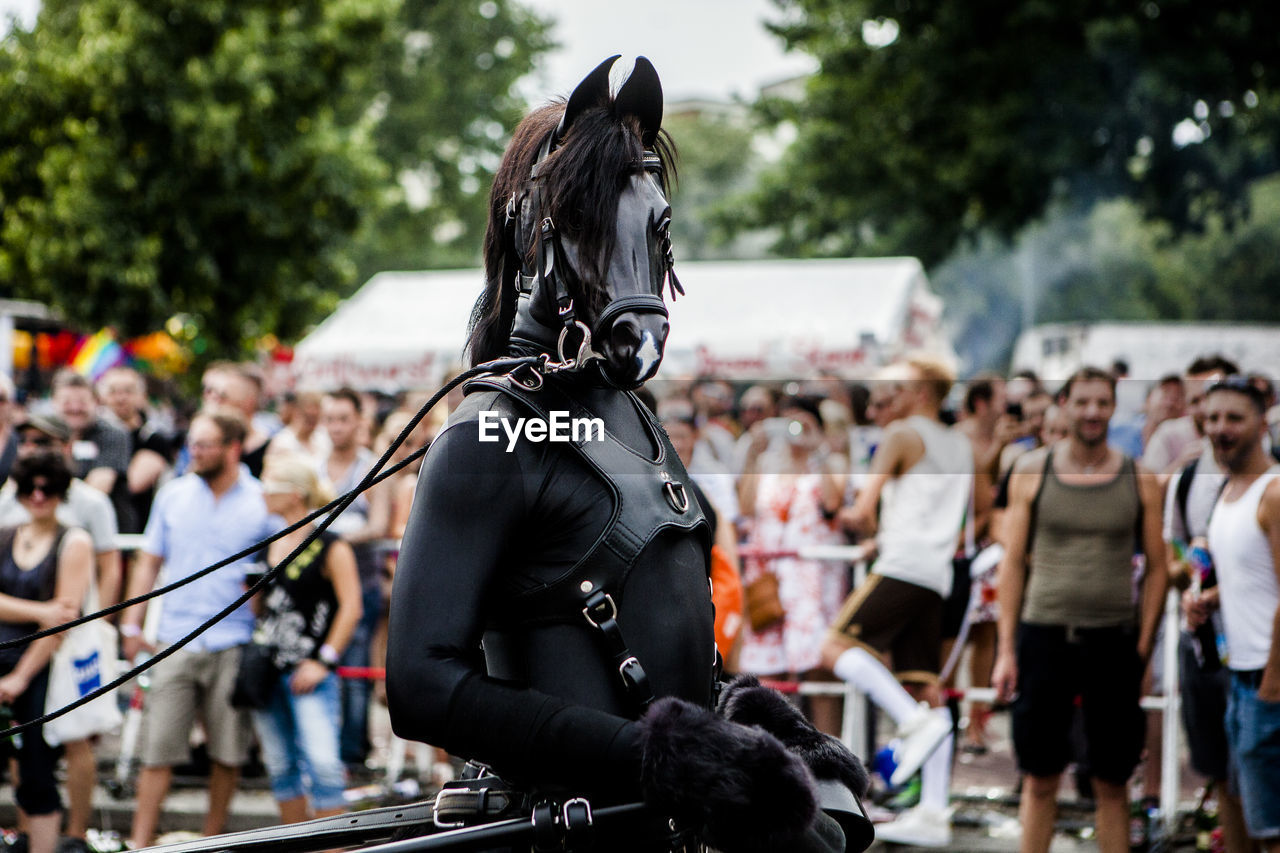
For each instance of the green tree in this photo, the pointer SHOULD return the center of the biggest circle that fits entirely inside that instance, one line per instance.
(186, 155)
(445, 87)
(928, 122)
(245, 163)
(717, 164)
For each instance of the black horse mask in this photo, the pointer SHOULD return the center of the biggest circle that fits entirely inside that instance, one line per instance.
(602, 304)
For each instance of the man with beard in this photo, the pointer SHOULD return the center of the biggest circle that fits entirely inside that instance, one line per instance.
(1244, 537)
(1067, 626)
(214, 510)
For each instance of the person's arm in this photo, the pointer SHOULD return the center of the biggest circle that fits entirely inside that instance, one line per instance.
(983, 497)
(1269, 520)
(1155, 583)
(46, 614)
(340, 570)
(378, 519)
(146, 568)
(100, 521)
(102, 479)
(75, 562)
(1011, 574)
(144, 471)
(749, 479)
(886, 464)
(109, 566)
(835, 479)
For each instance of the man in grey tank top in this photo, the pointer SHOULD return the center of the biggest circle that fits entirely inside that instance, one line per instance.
(1069, 626)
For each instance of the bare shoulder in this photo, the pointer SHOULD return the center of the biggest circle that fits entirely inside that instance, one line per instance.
(1269, 505)
(1149, 481)
(1027, 472)
(1031, 462)
(76, 539)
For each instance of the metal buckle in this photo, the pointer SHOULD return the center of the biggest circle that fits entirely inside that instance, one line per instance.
(435, 815)
(576, 801)
(676, 496)
(613, 613)
(626, 665)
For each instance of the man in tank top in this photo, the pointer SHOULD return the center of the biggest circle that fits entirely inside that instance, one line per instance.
(1068, 624)
(1244, 537)
(922, 480)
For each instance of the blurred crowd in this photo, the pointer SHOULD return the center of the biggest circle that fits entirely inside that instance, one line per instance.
(939, 487)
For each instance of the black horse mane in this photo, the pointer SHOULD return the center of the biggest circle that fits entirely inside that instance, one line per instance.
(580, 185)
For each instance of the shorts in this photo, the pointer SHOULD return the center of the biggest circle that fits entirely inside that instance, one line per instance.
(1057, 664)
(187, 683)
(1253, 731)
(1204, 711)
(903, 620)
(957, 603)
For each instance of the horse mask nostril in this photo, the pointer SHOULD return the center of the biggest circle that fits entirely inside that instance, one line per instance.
(635, 344)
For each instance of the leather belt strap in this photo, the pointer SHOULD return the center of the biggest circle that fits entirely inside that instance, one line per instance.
(602, 613)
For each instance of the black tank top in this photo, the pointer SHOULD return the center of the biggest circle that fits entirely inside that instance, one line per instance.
(299, 606)
(35, 584)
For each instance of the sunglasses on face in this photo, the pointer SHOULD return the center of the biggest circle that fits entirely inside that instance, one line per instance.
(27, 490)
(37, 440)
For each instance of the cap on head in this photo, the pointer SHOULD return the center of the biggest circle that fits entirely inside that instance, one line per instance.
(51, 425)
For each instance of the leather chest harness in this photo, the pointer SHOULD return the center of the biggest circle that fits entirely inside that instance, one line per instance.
(649, 497)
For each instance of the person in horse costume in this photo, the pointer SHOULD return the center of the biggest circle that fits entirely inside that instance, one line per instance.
(551, 617)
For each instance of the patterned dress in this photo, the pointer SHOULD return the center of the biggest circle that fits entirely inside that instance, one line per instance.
(789, 516)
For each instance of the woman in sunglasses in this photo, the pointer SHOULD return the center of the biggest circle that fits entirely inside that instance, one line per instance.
(44, 574)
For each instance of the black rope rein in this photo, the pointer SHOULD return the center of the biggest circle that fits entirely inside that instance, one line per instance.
(333, 509)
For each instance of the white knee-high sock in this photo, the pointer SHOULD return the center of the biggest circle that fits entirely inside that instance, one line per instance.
(860, 668)
(935, 777)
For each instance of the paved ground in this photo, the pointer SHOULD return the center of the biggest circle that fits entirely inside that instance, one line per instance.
(982, 788)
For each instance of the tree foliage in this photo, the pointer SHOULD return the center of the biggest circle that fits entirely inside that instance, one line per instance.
(716, 163)
(445, 86)
(931, 121)
(229, 159)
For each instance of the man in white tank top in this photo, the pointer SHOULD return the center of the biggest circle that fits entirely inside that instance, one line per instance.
(1244, 537)
(921, 478)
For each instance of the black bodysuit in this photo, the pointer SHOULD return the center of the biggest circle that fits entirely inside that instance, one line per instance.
(542, 705)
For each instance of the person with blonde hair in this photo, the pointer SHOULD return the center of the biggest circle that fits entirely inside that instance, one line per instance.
(306, 617)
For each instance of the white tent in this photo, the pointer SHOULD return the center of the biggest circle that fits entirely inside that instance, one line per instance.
(738, 320)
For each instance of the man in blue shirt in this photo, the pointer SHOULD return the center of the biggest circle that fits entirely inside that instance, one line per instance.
(214, 510)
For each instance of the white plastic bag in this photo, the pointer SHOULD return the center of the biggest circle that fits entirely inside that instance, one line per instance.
(85, 661)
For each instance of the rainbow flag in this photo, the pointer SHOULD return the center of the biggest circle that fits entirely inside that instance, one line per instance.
(97, 354)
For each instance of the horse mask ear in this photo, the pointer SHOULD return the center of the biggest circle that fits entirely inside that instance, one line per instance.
(641, 96)
(592, 91)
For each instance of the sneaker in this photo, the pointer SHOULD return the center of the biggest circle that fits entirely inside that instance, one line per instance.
(69, 844)
(920, 736)
(908, 796)
(918, 827)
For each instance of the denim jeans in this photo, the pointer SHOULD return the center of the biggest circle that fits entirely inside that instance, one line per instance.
(299, 737)
(1253, 732)
(357, 692)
